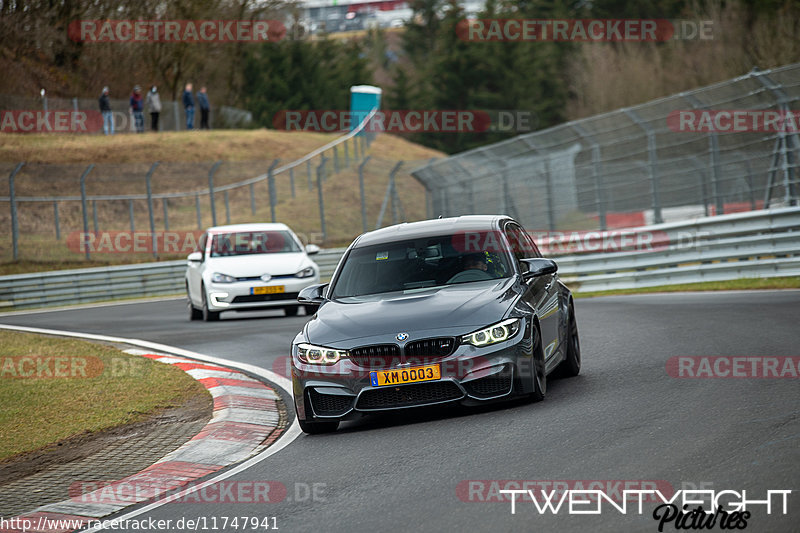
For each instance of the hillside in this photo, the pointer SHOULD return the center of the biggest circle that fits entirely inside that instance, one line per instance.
(54, 164)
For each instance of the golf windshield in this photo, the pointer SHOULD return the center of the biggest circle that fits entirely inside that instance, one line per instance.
(252, 242)
(416, 264)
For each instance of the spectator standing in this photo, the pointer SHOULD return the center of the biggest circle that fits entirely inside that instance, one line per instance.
(153, 103)
(105, 110)
(137, 108)
(202, 100)
(188, 106)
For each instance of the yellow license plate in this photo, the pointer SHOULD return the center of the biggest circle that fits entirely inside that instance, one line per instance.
(275, 289)
(381, 378)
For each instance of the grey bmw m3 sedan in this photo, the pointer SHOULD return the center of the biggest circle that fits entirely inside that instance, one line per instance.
(461, 309)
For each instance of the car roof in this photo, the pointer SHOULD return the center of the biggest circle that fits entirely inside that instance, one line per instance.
(262, 226)
(431, 228)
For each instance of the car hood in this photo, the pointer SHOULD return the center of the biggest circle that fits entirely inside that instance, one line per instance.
(242, 266)
(463, 307)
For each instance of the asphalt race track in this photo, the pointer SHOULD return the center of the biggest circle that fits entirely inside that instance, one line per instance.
(624, 418)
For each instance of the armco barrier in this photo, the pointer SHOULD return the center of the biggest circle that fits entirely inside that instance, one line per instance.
(762, 243)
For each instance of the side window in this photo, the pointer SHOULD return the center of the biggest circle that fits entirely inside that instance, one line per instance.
(512, 235)
(527, 244)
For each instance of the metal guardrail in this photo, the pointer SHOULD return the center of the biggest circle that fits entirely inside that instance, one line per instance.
(754, 244)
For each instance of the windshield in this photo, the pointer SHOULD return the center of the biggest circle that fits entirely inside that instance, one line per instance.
(415, 264)
(252, 242)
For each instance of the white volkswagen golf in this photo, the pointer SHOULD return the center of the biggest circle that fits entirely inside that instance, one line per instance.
(246, 267)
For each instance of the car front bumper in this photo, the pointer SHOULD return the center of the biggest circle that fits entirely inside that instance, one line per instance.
(469, 376)
(240, 295)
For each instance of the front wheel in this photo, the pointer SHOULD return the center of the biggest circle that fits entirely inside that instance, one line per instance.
(571, 366)
(208, 315)
(316, 428)
(539, 371)
(194, 313)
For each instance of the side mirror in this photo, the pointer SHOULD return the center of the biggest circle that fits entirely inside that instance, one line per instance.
(538, 266)
(195, 257)
(313, 294)
(312, 249)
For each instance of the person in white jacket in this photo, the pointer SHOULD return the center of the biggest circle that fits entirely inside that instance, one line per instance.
(153, 103)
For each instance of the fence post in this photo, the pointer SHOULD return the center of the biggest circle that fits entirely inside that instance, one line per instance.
(394, 199)
(335, 159)
(361, 192)
(355, 147)
(291, 179)
(227, 208)
(177, 116)
(150, 208)
(252, 199)
(308, 168)
(55, 219)
(130, 214)
(166, 214)
(197, 209)
(551, 215)
(94, 216)
(713, 146)
(320, 198)
(83, 207)
(346, 154)
(211, 173)
(272, 193)
(653, 162)
(13, 202)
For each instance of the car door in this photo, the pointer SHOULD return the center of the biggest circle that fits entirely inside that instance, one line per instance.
(194, 272)
(543, 290)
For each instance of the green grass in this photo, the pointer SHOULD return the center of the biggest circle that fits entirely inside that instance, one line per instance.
(99, 388)
(735, 284)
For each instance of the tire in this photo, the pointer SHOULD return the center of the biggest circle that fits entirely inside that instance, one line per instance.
(208, 316)
(310, 309)
(540, 375)
(291, 310)
(317, 428)
(571, 366)
(194, 313)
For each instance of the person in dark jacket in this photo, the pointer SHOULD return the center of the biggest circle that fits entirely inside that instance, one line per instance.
(188, 106)
(137, 108)
(105, 110)
(202, 100)
(153, 103)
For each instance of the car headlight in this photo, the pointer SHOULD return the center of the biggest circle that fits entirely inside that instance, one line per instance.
(216, 277)
(319, 355)
(493, 334)
(305, 273)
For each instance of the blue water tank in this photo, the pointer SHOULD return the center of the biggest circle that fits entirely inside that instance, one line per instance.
(363, 99)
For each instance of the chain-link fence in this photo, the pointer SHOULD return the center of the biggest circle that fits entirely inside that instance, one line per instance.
(117, 212)
(172, 116)
(728, 147)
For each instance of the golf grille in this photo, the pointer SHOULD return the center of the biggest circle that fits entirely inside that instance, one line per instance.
(408, 395)
(265, 297)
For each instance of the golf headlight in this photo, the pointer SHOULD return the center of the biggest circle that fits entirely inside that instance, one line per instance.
(305, 273)
(493, 334)
(319, 355)
(216, 277)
